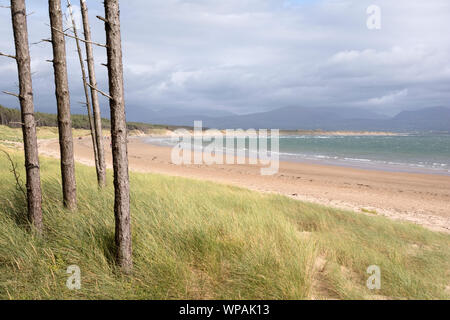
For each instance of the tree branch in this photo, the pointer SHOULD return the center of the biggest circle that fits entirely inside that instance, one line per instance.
(12, 94)
(43, 40)
(99, 91)
(103, 19)
(7, 55)
(77, 38)
(19, 185)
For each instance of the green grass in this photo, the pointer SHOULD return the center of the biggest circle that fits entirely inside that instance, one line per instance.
(199, 240)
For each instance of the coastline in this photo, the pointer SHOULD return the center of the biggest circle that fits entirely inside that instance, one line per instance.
(419, 198)
(335, 158)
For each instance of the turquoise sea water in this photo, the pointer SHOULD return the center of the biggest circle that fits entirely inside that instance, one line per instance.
(414, 153)
(424, 153)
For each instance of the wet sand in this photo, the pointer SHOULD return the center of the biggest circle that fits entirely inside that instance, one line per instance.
(419, 198)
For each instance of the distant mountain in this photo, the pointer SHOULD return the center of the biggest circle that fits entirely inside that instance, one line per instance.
(437, 118)
(289, 118)
(326, 118)
(293, 118)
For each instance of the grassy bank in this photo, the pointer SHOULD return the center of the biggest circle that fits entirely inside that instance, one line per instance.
(199, 240)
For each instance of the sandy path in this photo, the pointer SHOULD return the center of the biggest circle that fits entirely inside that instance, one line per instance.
(418, 198)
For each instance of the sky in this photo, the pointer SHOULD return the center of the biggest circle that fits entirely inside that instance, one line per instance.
(246, 56)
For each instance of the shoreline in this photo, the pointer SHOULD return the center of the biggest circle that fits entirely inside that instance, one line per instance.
(327, 160)
(419, 198)
(370, 165)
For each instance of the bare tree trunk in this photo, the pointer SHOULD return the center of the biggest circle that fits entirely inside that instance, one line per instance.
(119, 136)
(63, 102)
(86, 89)
(101, 172)
(34, 195)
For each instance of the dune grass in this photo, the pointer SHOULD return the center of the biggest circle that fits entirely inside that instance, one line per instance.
(199, 240)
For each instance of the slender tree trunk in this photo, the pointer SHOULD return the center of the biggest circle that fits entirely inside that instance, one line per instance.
(119, 136)
(63, 102)
(101, 172)
(86, 89)
(34, 195)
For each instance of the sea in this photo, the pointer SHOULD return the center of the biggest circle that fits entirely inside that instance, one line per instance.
(410, 152)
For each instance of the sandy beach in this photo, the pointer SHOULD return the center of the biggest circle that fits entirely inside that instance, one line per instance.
(419, 198)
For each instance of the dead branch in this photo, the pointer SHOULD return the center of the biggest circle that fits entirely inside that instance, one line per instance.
(43, 40)
(11, 94)
(103, 19)
(19, 184)
(99, 91)
(82, 40)
(7, 55)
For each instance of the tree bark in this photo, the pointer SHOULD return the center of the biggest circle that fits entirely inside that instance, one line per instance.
(119, 136)
(86, 89)
(63, 103)
(34, 194)
(101, 172)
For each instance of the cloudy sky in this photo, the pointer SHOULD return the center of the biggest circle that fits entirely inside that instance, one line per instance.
(248, 56)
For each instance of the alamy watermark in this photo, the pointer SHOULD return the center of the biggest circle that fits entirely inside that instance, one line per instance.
(374, 19)
(374, 281)
(209, 147)
(74, 280)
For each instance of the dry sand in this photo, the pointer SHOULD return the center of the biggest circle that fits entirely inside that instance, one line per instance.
(419, 198)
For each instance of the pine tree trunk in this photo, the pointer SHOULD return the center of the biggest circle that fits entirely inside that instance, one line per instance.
(63, 103)
(86, 90)
(119, 136)
(101, 173)
(34, 195)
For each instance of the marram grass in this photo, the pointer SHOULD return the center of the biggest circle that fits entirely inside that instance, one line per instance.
(200, 240)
